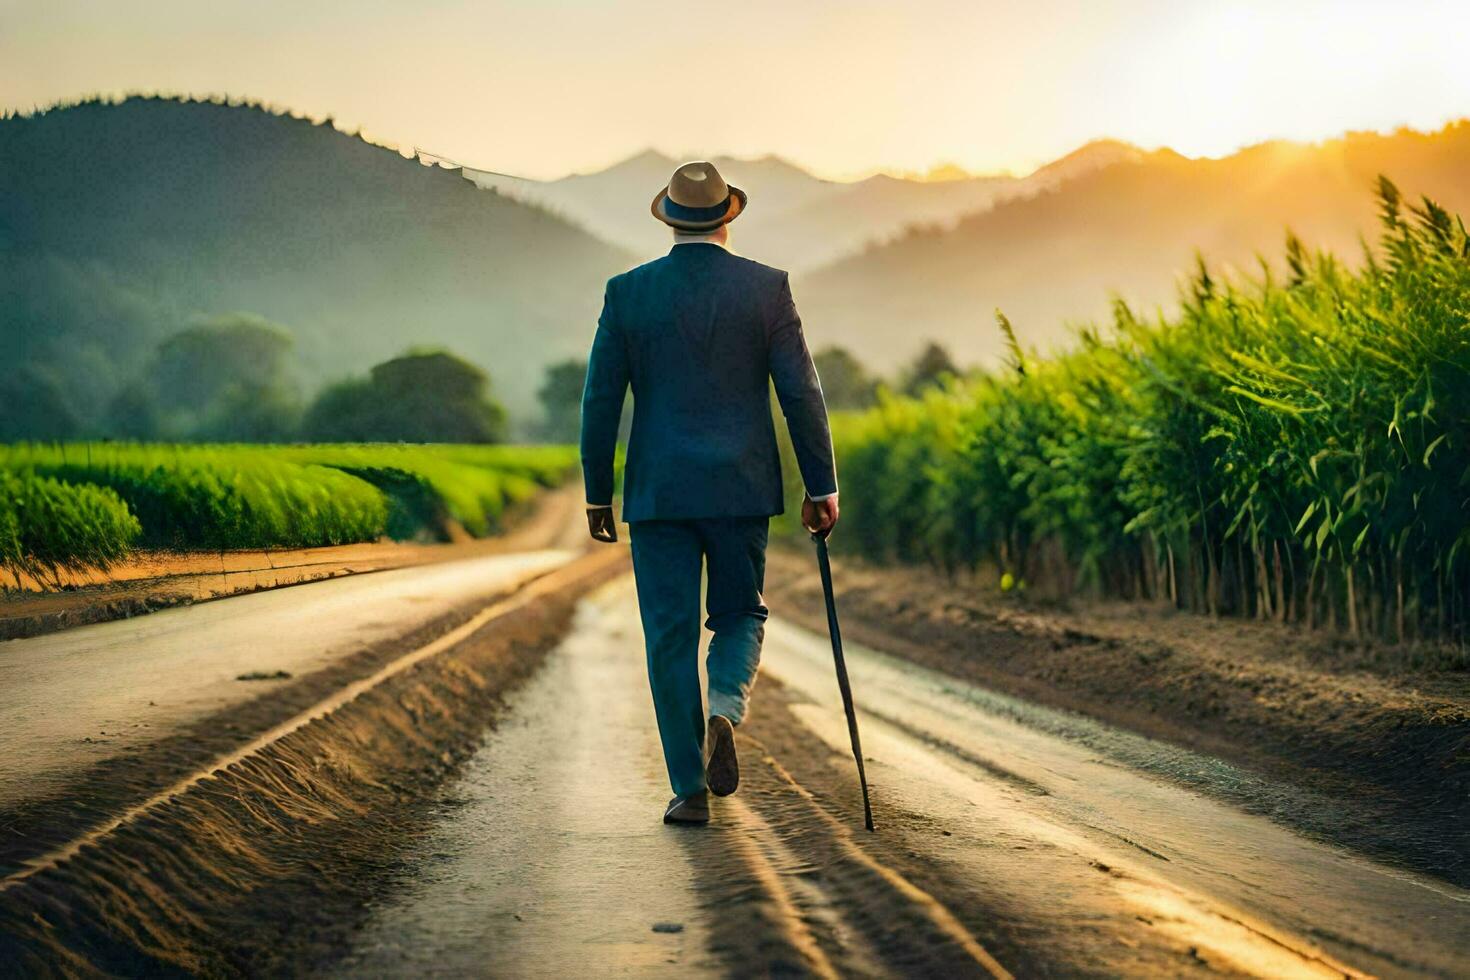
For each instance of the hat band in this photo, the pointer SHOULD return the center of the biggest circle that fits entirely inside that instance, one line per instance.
(681, 213)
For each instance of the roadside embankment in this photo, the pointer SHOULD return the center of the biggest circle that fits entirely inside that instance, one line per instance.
(152, 580)
(1387, 737)
(255, 860)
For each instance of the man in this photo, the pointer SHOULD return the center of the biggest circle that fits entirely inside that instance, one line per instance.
(699, 335)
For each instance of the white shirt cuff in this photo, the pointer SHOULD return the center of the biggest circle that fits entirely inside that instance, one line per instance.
(821, 497)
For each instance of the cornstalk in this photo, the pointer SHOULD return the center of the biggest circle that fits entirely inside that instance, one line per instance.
(1171, 574)
(1280, 582)
(1352, 603)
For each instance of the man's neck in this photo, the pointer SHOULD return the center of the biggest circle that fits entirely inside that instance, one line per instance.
(701, 238)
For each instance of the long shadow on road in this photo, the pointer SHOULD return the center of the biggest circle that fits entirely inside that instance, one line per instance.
(1006, 843)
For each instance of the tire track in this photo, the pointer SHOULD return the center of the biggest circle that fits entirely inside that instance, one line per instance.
(537, 586)
(920, 899)
(830, 882)
(749, 844)
(257, 862)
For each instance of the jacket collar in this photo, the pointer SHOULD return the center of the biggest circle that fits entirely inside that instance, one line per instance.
(695, 238)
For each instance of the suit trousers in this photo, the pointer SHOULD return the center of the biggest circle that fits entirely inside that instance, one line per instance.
(667, 560)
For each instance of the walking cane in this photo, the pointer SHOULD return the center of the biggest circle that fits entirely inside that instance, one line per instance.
(825, 565)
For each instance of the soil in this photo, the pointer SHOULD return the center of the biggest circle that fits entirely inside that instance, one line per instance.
(387, 835)
(259, 866)
(1010, 839)
(151, 580)
(1353, 721)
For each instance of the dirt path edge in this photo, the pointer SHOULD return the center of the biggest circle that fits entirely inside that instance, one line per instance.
(260, 868)
(155, 581)
(1397, 755)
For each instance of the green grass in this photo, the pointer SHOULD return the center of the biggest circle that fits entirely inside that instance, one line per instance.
(85, 504)
(1291, 446)
(48, 526)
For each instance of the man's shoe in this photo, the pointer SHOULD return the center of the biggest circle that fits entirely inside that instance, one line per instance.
(688, 809)
(722, 767)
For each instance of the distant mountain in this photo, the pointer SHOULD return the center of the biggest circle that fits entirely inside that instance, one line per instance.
(881, 207)
(1129, 228)
(613, 203)
(866, 213)
(119, 223)
(1084, 160)
(795, 221)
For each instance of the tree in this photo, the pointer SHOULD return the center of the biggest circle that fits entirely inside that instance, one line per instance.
(343, 412)
(76, 322)
(435, 396)
(244, 414)
(33, 406)
(133, 413)
(561, 399)
(929, 369)
(846, 384)
(423, 396)
(194, 366)
(224, 379)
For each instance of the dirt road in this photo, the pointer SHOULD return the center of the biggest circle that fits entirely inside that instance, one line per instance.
(151, 581)
(491, 809)
(79, 697)
(1011, 838)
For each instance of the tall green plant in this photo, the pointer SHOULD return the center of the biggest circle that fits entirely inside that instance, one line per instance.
(74, 505)
(1290, 447)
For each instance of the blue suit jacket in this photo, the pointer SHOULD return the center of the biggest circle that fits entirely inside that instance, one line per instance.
(699, 335)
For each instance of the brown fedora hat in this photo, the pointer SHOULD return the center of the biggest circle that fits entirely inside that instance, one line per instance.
(698, 199)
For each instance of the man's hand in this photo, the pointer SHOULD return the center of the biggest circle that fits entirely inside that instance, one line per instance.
(819, 516)
(601, 525)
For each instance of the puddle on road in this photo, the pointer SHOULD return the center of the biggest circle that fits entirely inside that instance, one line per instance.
(550, 858)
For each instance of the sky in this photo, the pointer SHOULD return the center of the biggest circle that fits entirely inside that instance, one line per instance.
(542, 88)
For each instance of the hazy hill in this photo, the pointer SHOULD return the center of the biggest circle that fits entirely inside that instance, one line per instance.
(795, 221)
(882, 208)
(1130, 228)
(1084, 160)
(120, 222)
(613, 203)
(866, 212)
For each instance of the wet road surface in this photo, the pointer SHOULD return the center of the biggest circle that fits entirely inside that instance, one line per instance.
(1011, 838)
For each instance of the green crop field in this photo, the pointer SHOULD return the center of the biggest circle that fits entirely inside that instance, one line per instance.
(1294, 446)
(81, 505)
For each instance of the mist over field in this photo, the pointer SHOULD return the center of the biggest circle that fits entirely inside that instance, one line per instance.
(795, 220)
(123, 225)
(1132, 230)
(885, 264)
